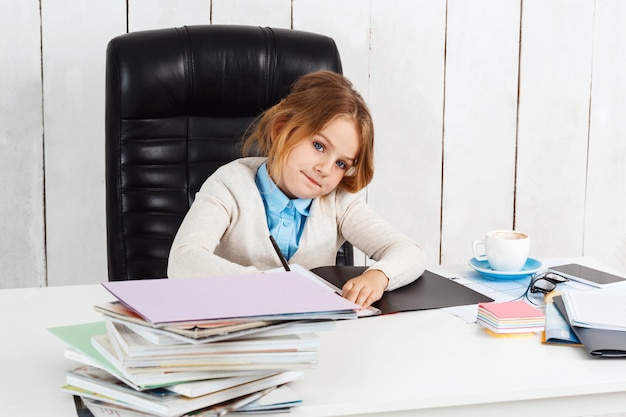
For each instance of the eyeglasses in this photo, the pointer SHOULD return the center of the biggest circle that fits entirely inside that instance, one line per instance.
(543, 283)
(546, 282)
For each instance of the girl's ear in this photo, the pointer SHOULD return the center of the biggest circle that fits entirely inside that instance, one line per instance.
(277, 128)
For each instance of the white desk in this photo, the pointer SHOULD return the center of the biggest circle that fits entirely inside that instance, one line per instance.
(426, 363)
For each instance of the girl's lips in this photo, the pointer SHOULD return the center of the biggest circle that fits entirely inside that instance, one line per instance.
(311, 180)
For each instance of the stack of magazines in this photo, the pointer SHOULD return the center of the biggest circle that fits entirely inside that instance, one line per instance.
(200, 346)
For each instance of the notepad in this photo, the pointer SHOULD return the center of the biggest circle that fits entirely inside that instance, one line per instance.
(596, 309)
(510, 317)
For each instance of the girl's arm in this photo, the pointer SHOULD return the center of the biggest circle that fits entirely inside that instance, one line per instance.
(193, 250)
(398, 257)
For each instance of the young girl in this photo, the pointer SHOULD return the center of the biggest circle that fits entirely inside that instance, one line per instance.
(319, 143)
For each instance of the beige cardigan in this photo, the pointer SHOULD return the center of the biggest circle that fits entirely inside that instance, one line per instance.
(225, 232)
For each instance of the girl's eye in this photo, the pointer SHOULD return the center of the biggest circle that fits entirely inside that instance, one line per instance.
(321, 148)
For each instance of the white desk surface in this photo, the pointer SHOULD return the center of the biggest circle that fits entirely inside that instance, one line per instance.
(427, 363)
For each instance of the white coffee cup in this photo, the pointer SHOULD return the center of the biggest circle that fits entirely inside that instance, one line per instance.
(505, 250)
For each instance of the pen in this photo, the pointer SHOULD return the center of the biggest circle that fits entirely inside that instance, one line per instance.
(280, 254)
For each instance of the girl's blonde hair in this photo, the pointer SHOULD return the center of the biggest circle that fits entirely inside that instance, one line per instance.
(315, 100)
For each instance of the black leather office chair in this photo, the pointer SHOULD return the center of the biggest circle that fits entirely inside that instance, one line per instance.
(178, 102)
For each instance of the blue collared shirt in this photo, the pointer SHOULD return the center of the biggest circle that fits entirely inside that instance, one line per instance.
(285, 217)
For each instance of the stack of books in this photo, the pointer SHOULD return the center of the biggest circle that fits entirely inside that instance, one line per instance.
(200, 346)
(511, 317)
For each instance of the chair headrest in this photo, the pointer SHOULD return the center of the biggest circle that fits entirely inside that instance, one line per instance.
(212, 70)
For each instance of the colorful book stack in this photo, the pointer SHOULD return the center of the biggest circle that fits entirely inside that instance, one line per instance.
(200, 346)
(512, 317)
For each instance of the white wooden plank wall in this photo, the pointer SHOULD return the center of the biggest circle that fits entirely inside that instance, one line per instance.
(479, 122)
(553, 125)
(74, 39)
(22, 246)
(157, 14)
(489, 114)
(406, 99)
(605, 213)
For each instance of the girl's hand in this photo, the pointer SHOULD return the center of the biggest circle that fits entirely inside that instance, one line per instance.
(365, 289)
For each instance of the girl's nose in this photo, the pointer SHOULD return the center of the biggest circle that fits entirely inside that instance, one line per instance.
(323, 167)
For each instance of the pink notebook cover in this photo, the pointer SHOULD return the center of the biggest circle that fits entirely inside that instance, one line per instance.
(511, 309)
(215, 298)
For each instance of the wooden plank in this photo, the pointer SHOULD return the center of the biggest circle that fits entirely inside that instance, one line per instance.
(479, 122)
(157, 14)
(605, 216)
(272, 13)
(75, 35)
(348, 23)
(406, 100)
(553, 124)
(22, 234)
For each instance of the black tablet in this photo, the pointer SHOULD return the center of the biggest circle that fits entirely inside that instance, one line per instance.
(588, 275)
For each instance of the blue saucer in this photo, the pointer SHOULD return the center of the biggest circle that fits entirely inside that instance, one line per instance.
(531, 266)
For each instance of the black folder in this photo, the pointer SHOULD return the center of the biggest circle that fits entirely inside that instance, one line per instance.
(427, 292)
(599, 343)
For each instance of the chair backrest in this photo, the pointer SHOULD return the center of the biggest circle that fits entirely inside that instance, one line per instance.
(178, 103)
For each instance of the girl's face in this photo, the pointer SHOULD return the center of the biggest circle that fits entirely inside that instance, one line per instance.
(317, 164)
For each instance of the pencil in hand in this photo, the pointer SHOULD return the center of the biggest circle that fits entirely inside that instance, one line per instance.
(280, 254)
